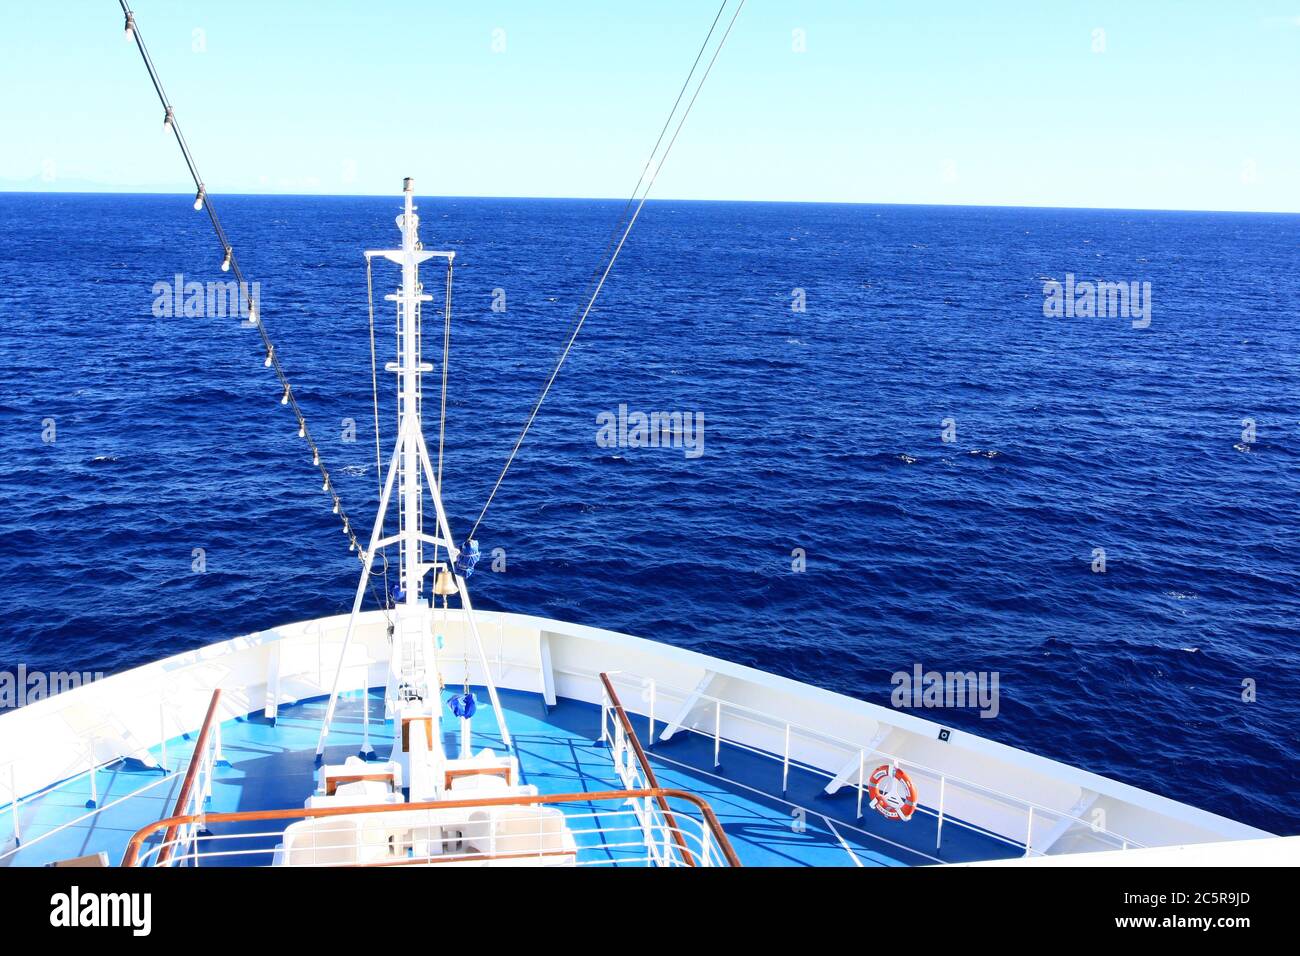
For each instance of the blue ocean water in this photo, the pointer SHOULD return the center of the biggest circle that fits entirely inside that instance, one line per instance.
(823, 432)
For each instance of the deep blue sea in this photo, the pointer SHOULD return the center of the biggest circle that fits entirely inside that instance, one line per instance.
(823, 432)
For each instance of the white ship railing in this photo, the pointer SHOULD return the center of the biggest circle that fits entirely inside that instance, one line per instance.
(655, 692)
(635, 773)
(196, 789)
(199, 791)
(603, 828)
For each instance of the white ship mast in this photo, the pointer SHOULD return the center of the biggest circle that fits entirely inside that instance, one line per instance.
(410, 299)
(413, 684)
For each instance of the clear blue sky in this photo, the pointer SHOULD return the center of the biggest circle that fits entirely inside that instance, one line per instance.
(1192, 104)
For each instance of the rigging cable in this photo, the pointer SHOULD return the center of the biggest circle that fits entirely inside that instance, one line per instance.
(613, 256)
(622, 217)
(442, 415)
(230, 263)
(374, 389)
(446, 352)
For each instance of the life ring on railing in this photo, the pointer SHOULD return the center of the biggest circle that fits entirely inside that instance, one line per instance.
(892, 792)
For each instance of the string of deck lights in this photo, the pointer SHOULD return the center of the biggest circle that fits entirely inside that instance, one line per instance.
(229, 263)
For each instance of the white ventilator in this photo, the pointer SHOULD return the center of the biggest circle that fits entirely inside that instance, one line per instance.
(413, 685)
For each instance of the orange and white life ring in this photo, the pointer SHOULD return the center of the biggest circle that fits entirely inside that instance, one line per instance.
(892, 792)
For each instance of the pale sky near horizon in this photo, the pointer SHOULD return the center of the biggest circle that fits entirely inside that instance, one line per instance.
(1173, 105)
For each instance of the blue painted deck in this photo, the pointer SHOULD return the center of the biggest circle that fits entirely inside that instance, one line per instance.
(273, 766)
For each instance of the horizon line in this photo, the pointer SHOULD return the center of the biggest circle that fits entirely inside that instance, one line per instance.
(127, 191)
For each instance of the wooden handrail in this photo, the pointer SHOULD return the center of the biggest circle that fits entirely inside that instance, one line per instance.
(171, 824)
(645, 767)
(191, 774)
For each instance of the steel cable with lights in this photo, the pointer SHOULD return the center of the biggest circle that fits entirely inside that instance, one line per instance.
(229, 263)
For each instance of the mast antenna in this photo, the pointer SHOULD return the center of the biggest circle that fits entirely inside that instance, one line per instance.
(411, 474)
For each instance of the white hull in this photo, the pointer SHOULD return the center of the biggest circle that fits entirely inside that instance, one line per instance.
(1026, 799)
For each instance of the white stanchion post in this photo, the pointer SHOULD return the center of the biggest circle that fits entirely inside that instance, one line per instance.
(647, 830)
(938, 832)
(367, 751)
(13, 804)
(604, 713)
(217, 756)
(717, 732)
(94, 784)
(862, 765)
(162, 734)
(785, 761)
(651, 739)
